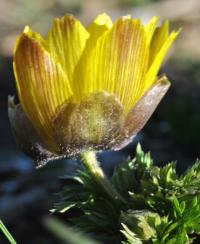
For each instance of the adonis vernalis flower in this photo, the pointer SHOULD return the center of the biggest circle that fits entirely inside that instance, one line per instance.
(82, 88)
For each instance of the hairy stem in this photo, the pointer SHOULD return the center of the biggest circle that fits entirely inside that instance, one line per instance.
(89, 160)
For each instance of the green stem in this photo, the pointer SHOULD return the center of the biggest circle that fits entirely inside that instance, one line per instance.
(89, 159)
(7, 233)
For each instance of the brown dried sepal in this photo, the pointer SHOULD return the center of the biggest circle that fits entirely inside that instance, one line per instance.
(142, 111)
(26, 136)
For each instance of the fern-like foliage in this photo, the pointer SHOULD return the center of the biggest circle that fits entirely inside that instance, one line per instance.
(156, 205)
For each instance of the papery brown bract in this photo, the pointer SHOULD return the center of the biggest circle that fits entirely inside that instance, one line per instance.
(26, 136)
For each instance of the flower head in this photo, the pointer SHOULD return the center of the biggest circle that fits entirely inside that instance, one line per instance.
(87, 88)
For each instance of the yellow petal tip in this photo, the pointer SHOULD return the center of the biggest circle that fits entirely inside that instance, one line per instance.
(103, 19)
(27, 29)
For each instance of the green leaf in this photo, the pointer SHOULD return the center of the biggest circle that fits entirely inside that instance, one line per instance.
(7, 233)
(144, 159)
(158, 206)
(130, 236)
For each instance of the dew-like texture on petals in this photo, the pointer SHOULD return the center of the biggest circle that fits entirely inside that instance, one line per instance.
(94, 122)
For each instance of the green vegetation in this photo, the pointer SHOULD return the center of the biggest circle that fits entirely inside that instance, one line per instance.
(7, 233)
(155, 205)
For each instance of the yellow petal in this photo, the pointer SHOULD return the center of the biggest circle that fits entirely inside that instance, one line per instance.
(150, 28)
(155, 66)
(118, 62)
(160, 36)
(41, 83)
(66, 39)
(100, 25)
(35, 36)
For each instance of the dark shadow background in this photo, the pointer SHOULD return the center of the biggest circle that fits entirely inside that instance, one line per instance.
(172, 133)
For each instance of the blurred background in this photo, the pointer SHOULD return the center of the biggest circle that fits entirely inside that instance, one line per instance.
(172, 133)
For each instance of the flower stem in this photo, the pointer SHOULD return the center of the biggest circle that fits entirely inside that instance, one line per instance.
(89, 160)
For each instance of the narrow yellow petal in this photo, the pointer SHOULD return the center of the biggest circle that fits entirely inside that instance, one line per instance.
(160, 36)
(118, 62)
(66, 39)
(100, 25)
(34, 35)
(41, 83)
(150, 28)
(155, 66)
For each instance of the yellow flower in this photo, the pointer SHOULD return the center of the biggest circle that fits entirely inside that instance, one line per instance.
(89, 87)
